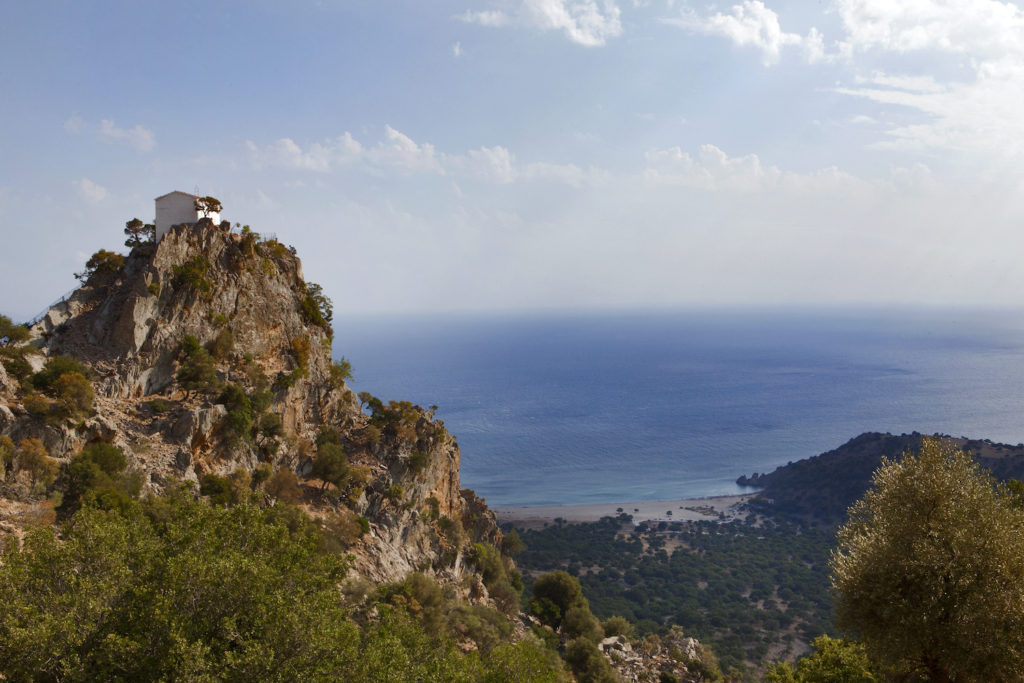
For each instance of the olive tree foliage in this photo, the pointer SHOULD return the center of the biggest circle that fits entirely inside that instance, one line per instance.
(101, 268)
(928, 570)
(833, 660)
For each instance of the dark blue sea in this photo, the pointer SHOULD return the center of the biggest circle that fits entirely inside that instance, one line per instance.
(647, 406)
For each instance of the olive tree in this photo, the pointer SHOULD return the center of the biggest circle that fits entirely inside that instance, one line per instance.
(928, 570)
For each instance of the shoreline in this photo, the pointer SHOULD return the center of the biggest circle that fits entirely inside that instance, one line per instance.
(707, 508)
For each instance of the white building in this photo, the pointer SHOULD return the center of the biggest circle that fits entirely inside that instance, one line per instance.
(175, 208)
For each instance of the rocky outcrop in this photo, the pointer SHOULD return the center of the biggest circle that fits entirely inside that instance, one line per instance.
(245, 300)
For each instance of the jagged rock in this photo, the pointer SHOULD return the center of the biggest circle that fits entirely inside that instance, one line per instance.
(197, 424)
(206, 282)
(7, 384)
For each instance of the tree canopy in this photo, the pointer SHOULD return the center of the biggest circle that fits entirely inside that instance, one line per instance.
(928, 569)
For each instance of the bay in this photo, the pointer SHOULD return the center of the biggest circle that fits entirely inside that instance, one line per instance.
(582, 408)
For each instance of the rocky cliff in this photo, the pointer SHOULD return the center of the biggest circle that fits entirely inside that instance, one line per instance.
(210, 360)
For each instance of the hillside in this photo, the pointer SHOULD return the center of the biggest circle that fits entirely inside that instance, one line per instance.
(822, 487)
(185, 396)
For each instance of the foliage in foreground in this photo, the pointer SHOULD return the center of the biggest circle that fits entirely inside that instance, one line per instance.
(928, 569)
(173, 588)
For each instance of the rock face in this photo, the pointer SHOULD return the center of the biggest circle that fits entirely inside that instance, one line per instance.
(245, 300)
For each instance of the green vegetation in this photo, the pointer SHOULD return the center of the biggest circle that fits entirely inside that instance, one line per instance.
(317, 308)
(98, 475)
(172, 588)
(929, 566)
(341, 372)
(66, 380)
(139, 234)
(197, 371)
(17, 334)
(101, 268)
(192, 275)
(747, 591)
(833, 661)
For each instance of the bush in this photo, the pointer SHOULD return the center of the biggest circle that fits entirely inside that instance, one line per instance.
(191, 275)
(341, 372)
(14, 334)
(317, 308)
(222, 345)
(33, 457)
(588, 663)
(330, 465)
(36, 405)
(197, 371)
(74, 392)
(98, 474)
(283, 486)
(153, 288)
(553, 595)
(271, 425)
(158, 405)
(617, 626)
(46, 379)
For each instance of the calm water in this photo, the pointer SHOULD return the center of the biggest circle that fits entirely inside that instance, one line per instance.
(605, 408)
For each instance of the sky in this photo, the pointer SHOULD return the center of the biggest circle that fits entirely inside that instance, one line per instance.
(526, 155)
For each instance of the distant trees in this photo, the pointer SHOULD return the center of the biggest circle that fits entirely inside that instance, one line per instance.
(928, 569)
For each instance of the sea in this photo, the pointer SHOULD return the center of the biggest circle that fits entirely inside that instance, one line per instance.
(573, 408)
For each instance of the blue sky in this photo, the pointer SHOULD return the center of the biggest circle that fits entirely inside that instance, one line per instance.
(533, 154)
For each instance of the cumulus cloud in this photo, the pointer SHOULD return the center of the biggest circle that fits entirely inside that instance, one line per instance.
(751, 24)
(981, 107)
(979, 27)
(398, 151)
(139, 137)
(585, 22)
(74, 125)
(712, 169)
(90, 191)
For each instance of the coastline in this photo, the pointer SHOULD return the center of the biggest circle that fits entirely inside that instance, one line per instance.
(708, 508)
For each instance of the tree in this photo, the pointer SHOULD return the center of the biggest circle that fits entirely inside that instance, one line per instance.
(207, 205)
(928, 569)
(833, 660)
(139, 233)
(15, 334)
(554, 594)
(101, 267)
(330, 464)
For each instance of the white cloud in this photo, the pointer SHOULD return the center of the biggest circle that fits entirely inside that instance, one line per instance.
(978, 27)
(457, 50)
(714, 170)
(397, 150)
(585, 22)
(139, 137)
(74, 125)
(90, 191)
(491, 18)
(318, 156)
(751, 24)
(981, 107)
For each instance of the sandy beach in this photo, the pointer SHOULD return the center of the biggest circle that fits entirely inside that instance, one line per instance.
(684, 509)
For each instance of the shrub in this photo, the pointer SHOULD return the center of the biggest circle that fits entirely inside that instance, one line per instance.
(197, 371)
(153, 288)
(341, 372)
(74, 392)
(283, 486)
(98, 474)
(192, 275)
(158, 405)
(299, 347)
(317, 308)
(417, 462)
(553, 595)
(222, 345)
(617, 626)
(46, 379)
(34, 458)
(6, 453)
(271, 425)
(395, 492)
(36, 405)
